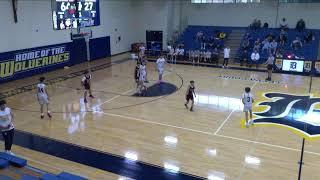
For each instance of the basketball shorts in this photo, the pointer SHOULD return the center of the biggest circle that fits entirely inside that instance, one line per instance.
(270, 67)
(87, 86)
(189, 97)
(43, 99)
(160, 71)
(247, 108)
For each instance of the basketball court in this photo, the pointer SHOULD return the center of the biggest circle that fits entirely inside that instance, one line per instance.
(208, 143)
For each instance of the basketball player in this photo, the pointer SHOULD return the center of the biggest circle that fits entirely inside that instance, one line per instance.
(142, 50)
(86, 83)
(190, 94)
(43, 97)
(247, 101)
(160, 67)
(142, 77)
(269, 64)
(6, 125)
(136, 74)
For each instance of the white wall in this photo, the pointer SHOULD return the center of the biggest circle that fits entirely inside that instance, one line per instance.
(34, 27)
(241, 15)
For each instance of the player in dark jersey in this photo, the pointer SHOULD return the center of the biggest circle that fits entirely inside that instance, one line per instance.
(190, 94)
(136, 74)
(86, 83)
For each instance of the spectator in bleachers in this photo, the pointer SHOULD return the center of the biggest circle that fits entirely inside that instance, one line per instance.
(197, 55)
(244, 57)
(180, 53)
(211, 44)
(266, 45)
(170, 53)
(226, 55)
(257, 45)
(296, 44)
(245, 44)
(301, 25)
(255, 57)
(282, 40)
(256, 24)
(284, 25)
(309, 37)
(208, 57)
(279, 53)
(265, 25)
(273, 46)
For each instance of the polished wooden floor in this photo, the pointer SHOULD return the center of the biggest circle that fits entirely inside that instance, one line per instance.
(208, 142)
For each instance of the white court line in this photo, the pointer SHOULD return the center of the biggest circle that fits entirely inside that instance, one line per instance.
(113, 98)
(228, 117)
(209, 133)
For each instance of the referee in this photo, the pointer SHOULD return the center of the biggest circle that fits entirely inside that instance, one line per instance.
(6, 126)
(269, 64)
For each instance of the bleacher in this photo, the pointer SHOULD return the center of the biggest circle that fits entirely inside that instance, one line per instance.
(309, 51)
(188, 37)
(13, 167)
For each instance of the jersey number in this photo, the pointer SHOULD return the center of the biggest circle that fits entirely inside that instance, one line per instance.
(41, 90)
(248, 99)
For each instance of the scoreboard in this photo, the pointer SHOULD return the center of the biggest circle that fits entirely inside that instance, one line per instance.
(67, 14)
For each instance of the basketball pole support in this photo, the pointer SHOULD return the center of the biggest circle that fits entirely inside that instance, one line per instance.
(303, 140)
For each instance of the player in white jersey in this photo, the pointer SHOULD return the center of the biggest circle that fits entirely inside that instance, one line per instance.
(247, 100)
(142, 50)
(142, 77)
(86, 83)
(6, 126)
(160, 67)
(43, 97)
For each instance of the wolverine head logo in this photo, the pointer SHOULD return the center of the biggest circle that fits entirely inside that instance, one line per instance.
(300, 113)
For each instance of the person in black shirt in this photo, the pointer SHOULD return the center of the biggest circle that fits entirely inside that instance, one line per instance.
(190, 94)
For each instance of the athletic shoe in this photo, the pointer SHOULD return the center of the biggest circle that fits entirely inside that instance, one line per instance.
(85, 100)
(191, 109)
(49, 115)
(186, 106)
(42, 116)
(9, 152)
(247, 124)
(91, 96)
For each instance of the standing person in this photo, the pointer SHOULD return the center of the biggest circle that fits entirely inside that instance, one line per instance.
(6, 125)
(269, 64)
(247, 100)
(226, 54)
(160, 67)
(142, 50)
(136, 74)
(190, 94)
(142, 77)
(43, 97)
(255, 57)
(86, 83)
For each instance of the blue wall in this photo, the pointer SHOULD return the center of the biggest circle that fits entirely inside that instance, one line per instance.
(27, 62)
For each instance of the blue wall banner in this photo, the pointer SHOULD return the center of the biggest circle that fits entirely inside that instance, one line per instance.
(28, 62)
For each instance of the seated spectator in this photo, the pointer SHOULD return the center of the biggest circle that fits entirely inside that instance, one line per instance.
(208, 57)
(309, 37)
(266, 45)
(283, 33)
(282, 40)
(245, 44)
(257, 45)
(266, 25)
(199, 36)
(301, 25)
(210, 42)
(180, 53)
(244, 57)
(255, 57)
(279, 54)
(273, 46)
(284, 25)
(296, 44)
(256, 24)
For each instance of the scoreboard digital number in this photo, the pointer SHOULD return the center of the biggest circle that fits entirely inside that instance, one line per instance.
(67, 14)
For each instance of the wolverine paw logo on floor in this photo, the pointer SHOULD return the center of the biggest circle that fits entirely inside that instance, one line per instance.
(299, 113)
